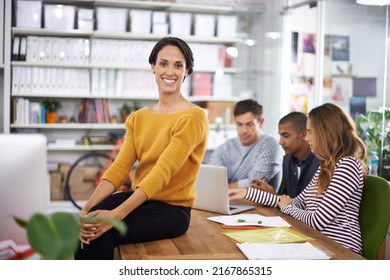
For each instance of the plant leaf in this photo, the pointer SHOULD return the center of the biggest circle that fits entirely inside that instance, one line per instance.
(43, 237)
(68, 231)
(21, 222)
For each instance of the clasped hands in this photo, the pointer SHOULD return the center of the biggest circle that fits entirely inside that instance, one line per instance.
(90, 230)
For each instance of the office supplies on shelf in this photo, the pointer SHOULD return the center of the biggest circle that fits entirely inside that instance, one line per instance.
(289, 251)
(277, 235)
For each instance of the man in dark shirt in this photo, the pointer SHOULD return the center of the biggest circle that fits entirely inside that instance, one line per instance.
(299, 163)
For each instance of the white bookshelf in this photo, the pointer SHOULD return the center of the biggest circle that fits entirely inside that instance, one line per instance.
(79, 129)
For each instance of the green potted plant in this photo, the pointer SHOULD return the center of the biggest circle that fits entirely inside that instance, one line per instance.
(370, 128)
(125, 111)
(51, 108)
(56, 236)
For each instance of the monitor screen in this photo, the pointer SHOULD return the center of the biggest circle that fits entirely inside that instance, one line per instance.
(24, 181)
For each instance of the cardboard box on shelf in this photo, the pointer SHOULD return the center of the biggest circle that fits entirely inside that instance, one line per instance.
(63, 168)
(56, 186)
(218, 109)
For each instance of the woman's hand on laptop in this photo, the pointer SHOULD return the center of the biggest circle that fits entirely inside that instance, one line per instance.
(237, 193)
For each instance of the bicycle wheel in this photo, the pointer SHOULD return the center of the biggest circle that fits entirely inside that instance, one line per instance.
(76, 188)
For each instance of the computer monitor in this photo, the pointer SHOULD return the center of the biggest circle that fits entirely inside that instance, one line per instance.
(24, 181)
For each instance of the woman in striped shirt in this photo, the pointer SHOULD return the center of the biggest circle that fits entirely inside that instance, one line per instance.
(330, 202)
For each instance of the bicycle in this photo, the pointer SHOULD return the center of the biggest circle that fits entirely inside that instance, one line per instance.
(103, 161)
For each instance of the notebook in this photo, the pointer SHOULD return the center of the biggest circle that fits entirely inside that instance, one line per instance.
(212, 192)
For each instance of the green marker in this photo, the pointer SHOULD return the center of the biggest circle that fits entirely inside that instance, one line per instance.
(243, 221)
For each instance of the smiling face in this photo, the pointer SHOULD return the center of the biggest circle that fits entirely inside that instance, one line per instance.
(170, 70)
(248, 128)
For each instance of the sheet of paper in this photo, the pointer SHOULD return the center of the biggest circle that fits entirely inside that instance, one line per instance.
(250, 219)
(268, 235)
(288, 251)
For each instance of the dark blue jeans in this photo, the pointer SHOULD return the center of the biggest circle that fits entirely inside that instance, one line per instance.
(153, 220)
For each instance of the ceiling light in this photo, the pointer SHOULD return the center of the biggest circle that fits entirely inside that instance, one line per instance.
(273, 35)
(373, 2)
(250, 42)
(232, 51)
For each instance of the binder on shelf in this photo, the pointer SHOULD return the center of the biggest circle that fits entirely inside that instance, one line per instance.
(23, 49)
(95, 81)
(110, 82)
(103, 82)
(28, 80)
(47, 85)
(22, 80)
(34, 81)
(15, 79)
(41, 80)
(48, 50)
(119, 83)
(32, 49)
(54, 81)
(15, 48)
(41, 50)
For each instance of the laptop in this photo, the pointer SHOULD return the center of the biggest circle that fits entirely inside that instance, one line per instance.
(212, 192)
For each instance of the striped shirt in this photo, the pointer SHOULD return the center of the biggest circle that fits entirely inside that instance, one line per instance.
(334, 213)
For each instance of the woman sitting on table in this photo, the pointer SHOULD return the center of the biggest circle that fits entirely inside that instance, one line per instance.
(330, 202)
(169, 141)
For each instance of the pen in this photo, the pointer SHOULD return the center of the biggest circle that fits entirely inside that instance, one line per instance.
(243, 221)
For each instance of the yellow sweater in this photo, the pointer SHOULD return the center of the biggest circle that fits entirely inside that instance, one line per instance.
(169, 148)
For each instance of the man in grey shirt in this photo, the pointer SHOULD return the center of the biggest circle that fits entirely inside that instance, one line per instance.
(251, 155)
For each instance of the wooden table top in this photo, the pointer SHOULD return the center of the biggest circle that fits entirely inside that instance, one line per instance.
(204, 241)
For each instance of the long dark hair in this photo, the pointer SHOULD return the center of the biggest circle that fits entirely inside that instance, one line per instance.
(334, 137)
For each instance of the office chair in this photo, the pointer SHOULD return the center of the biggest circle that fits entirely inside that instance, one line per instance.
(374, 215)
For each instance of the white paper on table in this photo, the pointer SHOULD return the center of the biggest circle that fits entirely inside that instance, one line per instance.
(286, 251)
(250, 220)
